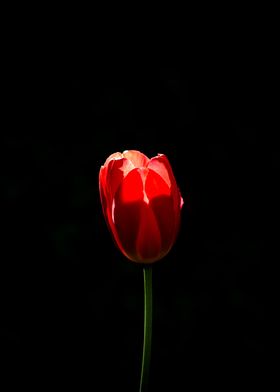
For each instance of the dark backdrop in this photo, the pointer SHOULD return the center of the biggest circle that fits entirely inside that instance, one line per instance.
(71, 304)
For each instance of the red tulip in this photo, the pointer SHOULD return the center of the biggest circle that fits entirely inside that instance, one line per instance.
(141, 203)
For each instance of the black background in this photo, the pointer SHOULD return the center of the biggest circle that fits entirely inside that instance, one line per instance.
(71, 305)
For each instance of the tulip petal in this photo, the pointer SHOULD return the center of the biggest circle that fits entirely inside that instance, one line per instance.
(114, 156)
(167, 220)
(126, 213)
(162, 204)
(148, 243)
(134, 220)
(114, 177)
(116, 172)
(137, 158)
(107, 204)
(132, 187)
(102, 188)
(158, 165)
(161, 165)
(156, 185)
(126, 226)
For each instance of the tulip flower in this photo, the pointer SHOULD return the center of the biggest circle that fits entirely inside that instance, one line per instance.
(142, 205)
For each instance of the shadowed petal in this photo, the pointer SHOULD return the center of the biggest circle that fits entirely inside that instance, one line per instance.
(157, 163)
(167, 220)
(126, 214)
(155, 185)
(148, 240)
(102, 188)
(161, 165)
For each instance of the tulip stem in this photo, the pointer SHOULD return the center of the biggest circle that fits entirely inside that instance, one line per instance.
(148, 313)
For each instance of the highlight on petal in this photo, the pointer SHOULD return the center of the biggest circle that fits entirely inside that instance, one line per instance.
(114, 156)
(117, 170)
(158, 165)
(127, 166)
(102, 177)
(181, 201)
(114, 177)
(137, 158)
(132, 188)
(164, 160)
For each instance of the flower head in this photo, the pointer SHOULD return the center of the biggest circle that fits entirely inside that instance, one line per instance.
(141, 203)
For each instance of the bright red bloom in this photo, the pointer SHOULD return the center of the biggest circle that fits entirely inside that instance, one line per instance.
(141, 203)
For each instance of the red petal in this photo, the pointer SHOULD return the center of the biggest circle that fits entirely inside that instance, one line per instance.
(110, 178)
(156, 185)
(158, 165)
(148, 240)
(126, 212)
(116, 171)
(132, 187)
(114, 156)
(161, 165)
(102, 188)
(137, 158)
(114, 176)
(167, 220)
(161, 201)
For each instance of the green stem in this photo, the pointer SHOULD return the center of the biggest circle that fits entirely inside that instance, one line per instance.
(148, 313)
